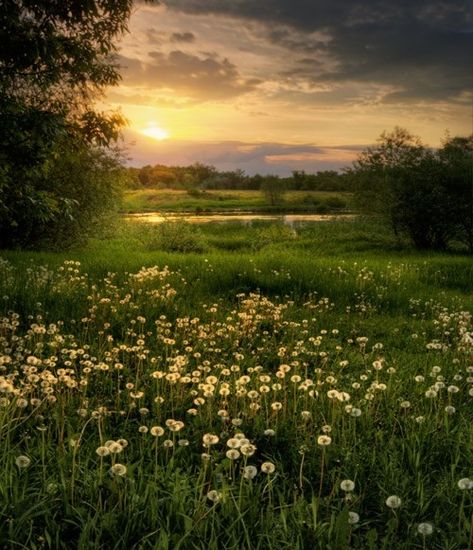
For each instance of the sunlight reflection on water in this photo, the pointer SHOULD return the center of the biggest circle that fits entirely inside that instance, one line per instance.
(244, 219)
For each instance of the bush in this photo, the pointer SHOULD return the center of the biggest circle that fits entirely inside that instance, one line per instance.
(336, 203)
(421, 193)
(64, 201)
(273, 233)
(175, 237)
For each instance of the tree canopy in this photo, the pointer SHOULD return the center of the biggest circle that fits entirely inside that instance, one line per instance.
(423, 193)
(55, 61)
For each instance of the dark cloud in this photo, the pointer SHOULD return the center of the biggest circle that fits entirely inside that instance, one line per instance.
(187, 37)
(420, 49)
(201, 78)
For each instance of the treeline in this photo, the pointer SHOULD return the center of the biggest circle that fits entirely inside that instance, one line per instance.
(203, 176)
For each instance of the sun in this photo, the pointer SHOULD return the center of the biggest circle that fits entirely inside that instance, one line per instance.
(155, 132)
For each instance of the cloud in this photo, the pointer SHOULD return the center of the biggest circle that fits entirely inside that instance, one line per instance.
(264, 158)
(423, 50)
(198, 77)
(187, 37)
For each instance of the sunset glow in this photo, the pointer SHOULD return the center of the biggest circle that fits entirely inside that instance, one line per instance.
(295, 86)
(155, 132)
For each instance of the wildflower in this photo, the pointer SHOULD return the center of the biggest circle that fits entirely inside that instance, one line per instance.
(269, 432)
(248, 449)
(449, 409)
(425, 529)
(175, 426)
(157, 431)
(233, 454)
(268, 468)
(102, 450)
(465, 484)
(167, 443)
(143, 429)
(118, 469)
(353, 518)
(393, 502)
(210, 439)
(249, 472)
(114, 447)
(22, 461)
(214, 495)
(324, 440)
(347, 485)
(183, 442)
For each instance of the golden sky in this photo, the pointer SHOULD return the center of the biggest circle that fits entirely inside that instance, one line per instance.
(277, 85)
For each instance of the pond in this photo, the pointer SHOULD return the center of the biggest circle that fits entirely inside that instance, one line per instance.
(246, 218)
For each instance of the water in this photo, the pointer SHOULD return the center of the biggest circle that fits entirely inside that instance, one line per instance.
(242, 218)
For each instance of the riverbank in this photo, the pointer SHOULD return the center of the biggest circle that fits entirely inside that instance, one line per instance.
(179, 200)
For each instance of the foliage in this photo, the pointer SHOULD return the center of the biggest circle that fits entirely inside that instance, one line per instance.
(273, 233)
(456, 161)
(420, 192)
(174, 237)
(56, 58)
(274, 189)
(208, 177)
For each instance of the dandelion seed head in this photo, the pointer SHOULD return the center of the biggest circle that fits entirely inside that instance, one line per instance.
(118, 469)
(393, 502)
(347, 485)
(425, 529)
(22, 461)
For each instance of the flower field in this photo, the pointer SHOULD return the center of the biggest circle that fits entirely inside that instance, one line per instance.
(142, 410)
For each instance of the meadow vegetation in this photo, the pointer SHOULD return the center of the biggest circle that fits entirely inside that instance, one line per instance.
(249, 387)
(180, 200)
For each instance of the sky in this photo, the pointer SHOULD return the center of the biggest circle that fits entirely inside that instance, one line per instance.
(272, 86)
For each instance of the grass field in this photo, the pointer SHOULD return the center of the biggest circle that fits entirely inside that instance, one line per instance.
(176, 200)
(221, 386)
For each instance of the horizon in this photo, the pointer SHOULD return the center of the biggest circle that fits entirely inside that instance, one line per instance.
(277, 86)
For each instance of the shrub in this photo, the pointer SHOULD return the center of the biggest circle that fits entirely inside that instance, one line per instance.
(175, 237)
(273, 233)
(335, 203)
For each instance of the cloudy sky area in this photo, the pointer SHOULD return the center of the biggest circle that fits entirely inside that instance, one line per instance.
(276, 85)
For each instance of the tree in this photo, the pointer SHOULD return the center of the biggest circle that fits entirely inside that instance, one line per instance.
(56, 59)
(273, 188)
(422, 193)
(456, 158)
(396, 179)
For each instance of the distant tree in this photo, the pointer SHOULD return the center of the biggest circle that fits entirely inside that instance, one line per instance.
(274, 189)
(55, 59)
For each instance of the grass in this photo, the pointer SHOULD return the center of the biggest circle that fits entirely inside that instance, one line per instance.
(178, 200)
(285, 335)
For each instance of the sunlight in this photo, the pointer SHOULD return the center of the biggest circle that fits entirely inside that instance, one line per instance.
(155, 132)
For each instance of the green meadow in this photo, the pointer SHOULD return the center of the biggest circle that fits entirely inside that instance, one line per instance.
(180, 200)
(220, 386)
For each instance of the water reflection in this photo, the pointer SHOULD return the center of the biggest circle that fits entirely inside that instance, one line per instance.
(244, 219)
